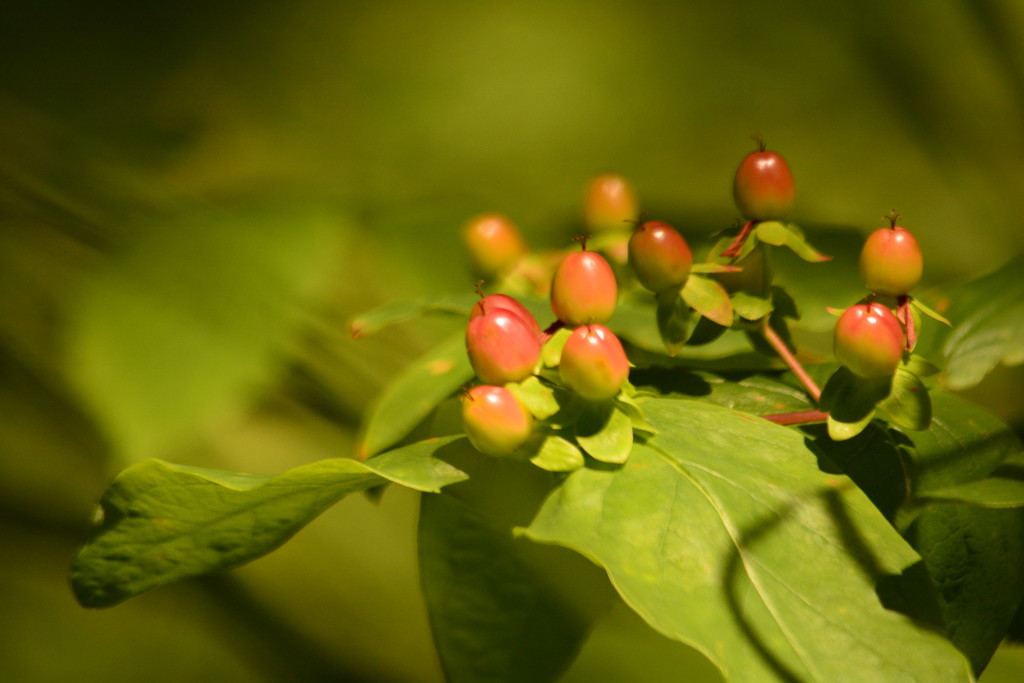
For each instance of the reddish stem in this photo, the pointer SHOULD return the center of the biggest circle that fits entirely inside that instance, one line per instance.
(798, 418)
(790, 360)
(733, 250)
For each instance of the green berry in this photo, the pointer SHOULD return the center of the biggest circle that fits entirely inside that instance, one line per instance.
(869, 340)
(891, 262)
(494, 420)
(583, 289)
(763, 186)
(660, 257)
(502, 348)
(593, 363)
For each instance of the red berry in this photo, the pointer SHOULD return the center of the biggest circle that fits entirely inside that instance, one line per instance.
(493, 302)
(502, 348)
(493, 242)
(593, 363)
(891, 261)
(763, 186)
(869, 340)
(495, 422)
(583, 289)
(659, 256)
(610, 203)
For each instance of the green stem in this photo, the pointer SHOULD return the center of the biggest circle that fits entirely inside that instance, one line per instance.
(790, 360)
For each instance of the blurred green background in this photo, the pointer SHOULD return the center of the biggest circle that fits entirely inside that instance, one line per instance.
(196, 197)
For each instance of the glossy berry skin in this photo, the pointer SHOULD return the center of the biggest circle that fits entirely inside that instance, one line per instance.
(495, 422)
(763, 186)
(501, 347)
(660, 257)
(610, 203)
(593, 363)
(890, 262)
(493, 302)
(869, 340)
(583, 289)
(493, 242)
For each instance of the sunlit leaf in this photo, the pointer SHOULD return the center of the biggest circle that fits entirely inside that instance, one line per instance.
(605, 432)
(708, 298)
(163, 522)
(555, 454)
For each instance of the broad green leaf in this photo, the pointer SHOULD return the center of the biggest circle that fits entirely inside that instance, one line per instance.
(162, 522)
(187, 324)
(908, 405)
(751, 307)
(721, 532)
(789, 235)
(555, 454)
(414, 394)
(988, 317)
(708, 298)
(493, 617)
(974, 556)
(537, 397)
(605, 432)
(674, 320)
(994, 492)
(851, 401)
(373, 321)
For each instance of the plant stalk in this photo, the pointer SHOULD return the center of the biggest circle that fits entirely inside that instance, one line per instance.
(790, 360)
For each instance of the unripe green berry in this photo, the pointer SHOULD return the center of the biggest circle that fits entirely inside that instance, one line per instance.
(493, 242)
(583, 289)
(763, 186)
(891, 262)
(501, 346)
(610, 203)
(660, 257)
(494, 420)
(869, 340)
(593, 363)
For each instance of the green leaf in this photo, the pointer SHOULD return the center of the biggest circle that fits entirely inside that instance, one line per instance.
(995, 492)
(162, 522)
(605, 432)
(187, 325)
(708, 298)
(707, 268)
(851, 401)
(551, 352)
(751, 307)
(934, 315)
(555, 454)
(537, 397)
(789, 235)
(414, 394)
(373, 321)
(674, 320)
(908, 404)
(974, 556)
(494, 617)
(731, 539)
(988, 315)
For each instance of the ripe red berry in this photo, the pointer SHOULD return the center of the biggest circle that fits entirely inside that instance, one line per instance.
(583, 289)
(501, 346)
(493, 302)
(869, 340)
(659, 256)
(593, 363)
(495, 422)
(891, 261)
(493, 242)
(763, 186)
(610, 203)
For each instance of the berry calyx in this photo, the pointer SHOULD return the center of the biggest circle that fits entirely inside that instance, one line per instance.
(505, 302)
(501, 346)
(593, 363)
(610, 203)
(493, 242)
(869, 340)
(660, 257)
(763, 185)
(496, 423)
(891, 262)
(583, 289)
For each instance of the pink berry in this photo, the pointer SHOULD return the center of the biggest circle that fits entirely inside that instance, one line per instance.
(583, 289)
(660, 257)
(502, 348)
(495, 422)
(763, 186)
(493, 242)
(593, 363)
(610, 203)
(493, 302)
(869, 340)
(890, 262)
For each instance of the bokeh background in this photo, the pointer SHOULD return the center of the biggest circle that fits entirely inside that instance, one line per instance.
(196, 197)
